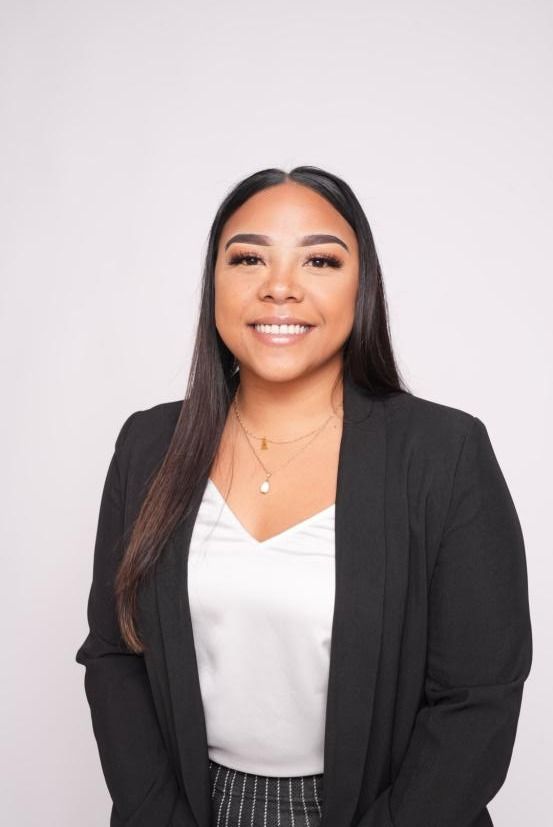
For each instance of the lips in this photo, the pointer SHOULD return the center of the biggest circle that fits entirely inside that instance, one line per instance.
(278, 321)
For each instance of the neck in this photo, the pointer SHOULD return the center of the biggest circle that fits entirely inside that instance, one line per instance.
(282, 409)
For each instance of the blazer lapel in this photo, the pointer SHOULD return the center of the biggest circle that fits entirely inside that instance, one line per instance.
(357, 622)
(356, 625)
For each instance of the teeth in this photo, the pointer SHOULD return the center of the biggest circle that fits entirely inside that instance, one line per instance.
(282, 329)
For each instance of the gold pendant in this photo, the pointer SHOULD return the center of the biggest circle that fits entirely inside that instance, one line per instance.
(264, 445)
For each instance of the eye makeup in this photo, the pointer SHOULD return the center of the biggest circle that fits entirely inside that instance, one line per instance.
(329, 259)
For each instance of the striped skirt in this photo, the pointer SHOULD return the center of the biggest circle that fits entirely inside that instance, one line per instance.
(242, 799)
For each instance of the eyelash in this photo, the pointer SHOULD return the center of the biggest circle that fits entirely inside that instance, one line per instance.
(332, 261)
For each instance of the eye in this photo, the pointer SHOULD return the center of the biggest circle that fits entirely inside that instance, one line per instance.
(238, 258)
(327, 259)
(324, 260)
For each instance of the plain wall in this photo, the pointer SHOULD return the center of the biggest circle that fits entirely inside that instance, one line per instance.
(123, 125)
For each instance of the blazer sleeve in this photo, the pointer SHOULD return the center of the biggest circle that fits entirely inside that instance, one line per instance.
(479, 654)
(136, 766)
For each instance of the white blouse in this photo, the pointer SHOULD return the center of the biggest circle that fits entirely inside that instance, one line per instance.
(262, 617)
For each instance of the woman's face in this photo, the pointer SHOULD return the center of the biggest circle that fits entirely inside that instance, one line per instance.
(277, 272)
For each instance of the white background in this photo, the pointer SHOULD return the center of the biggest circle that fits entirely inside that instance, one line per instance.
(123, 125)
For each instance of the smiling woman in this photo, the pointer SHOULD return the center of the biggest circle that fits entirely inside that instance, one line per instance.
(309, 603)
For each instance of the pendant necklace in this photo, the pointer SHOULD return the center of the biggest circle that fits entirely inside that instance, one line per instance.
(265, 486)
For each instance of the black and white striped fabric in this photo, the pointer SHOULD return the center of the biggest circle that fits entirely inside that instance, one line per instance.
(242, 799)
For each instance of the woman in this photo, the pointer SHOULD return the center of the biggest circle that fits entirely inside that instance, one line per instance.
(309, 602)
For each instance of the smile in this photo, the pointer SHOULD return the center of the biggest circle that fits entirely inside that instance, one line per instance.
(273, 334)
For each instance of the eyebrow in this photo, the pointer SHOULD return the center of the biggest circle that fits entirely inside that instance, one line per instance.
(305, 241)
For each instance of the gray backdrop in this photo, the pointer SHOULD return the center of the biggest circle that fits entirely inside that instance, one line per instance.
(123, 124)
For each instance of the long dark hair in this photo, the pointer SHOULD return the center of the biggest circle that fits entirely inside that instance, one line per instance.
(214, 376)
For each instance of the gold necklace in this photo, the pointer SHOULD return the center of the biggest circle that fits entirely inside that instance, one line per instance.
(265, 487)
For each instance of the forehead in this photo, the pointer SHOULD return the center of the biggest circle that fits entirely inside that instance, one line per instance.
(285, 213)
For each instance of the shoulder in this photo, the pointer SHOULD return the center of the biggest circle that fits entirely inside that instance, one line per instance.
(428, 429)
(149, 430)
(444, 457)
(421, 415)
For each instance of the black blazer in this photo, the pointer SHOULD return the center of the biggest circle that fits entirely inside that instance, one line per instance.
(431, 636)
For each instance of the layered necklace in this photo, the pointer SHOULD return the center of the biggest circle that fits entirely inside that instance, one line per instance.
(265, 486)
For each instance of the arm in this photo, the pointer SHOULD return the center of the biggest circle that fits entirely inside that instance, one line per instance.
(136, 766)
(478, 657)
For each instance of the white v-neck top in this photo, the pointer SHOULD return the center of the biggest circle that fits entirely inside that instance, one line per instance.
(262, 618)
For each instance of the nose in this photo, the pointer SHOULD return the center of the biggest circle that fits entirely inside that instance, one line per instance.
(282, 281)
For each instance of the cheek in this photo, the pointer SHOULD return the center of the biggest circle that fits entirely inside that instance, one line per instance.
(230, 307)
(339, 305)
(225, 297)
